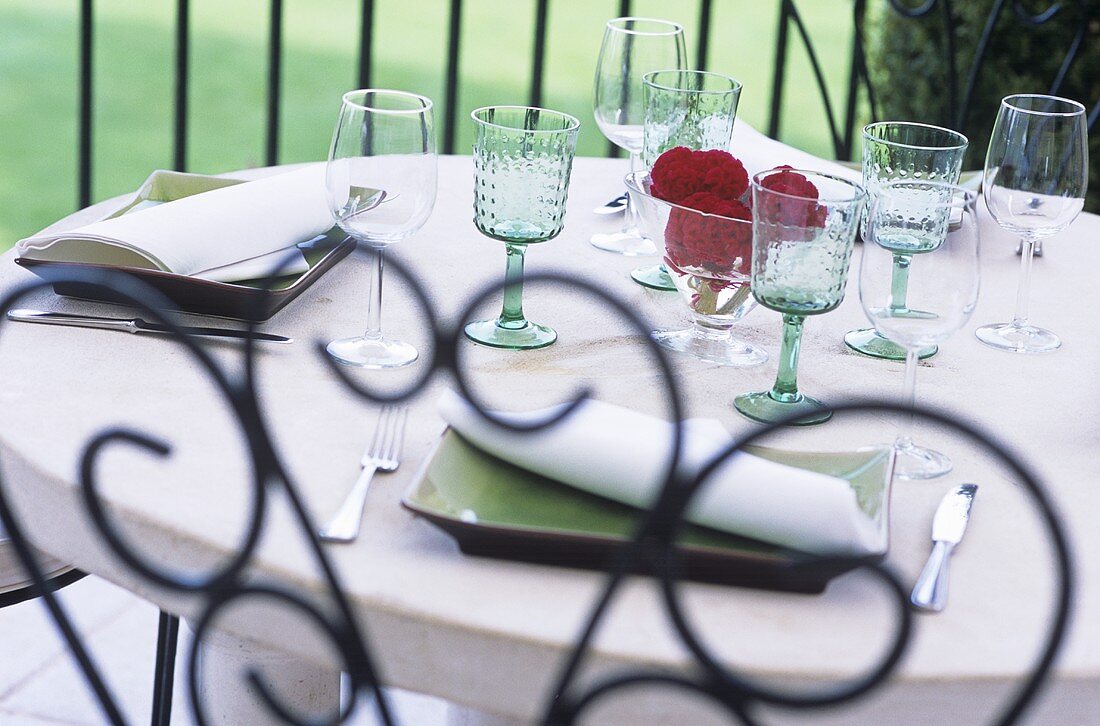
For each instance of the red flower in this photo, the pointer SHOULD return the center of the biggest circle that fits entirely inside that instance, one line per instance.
(680, 172)
(721, 244)
(803, 211)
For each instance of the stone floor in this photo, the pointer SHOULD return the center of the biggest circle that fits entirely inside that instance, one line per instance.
(39, 684)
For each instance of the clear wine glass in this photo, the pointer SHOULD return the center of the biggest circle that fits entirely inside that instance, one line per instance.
(943, 278)
(523, 157)
(1036, 175)
(804, 227)
(694, 109)
(381, 184)
(900, 151)
(631, 48)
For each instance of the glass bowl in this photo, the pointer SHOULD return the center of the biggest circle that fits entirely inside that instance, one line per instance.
(708, 257)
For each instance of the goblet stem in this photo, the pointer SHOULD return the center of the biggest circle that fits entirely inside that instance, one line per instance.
(899, 284)
(905, 438)
(374, 299)
(1027, 254)
(511, 315)
(630, 213)
(785, 388)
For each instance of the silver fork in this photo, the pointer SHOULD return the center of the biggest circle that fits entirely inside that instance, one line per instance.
(383, 454)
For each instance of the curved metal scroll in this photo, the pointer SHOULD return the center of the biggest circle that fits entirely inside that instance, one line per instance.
(959, 106)
(652, 548)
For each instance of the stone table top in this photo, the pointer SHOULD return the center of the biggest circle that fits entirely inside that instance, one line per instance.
(492, 634)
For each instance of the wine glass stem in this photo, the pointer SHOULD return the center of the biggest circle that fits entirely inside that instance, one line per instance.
(786, 380)
(899, 284)
(511, 315)
(630, 221)
(374, 302)
(905, 438)
(1027, 254)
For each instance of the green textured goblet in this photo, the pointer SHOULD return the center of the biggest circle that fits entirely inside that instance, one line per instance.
(522, 160)
(694, 109)
(901, 151)
(801, 248)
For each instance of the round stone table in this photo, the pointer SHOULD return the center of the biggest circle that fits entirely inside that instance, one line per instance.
(491, 635)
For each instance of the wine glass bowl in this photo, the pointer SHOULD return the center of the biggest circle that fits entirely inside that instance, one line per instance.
(707, 257)
(804, 227)
(380, 182)
(942, 284)
(522, 162)
(901, 151)
(631, 47)
(1036, 176)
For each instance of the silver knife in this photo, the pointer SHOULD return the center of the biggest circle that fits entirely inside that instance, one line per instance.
(930, 592)
(135, 325)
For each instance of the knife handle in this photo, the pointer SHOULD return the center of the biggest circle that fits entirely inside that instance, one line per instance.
(930, 592)
(83, 321)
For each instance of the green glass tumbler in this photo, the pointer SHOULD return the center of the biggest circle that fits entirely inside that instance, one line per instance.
(695, 109)
(903, 151)
(522, 160)
(801, 249)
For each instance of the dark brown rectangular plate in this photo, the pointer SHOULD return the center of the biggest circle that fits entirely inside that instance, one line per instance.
(252, 300)
(494, 509)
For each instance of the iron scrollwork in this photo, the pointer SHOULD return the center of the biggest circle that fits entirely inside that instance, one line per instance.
(959, 105)
(653, 545)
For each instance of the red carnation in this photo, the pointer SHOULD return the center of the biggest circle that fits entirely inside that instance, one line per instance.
(720, 244)
(680, 172)
(803, 211)
(675, 155)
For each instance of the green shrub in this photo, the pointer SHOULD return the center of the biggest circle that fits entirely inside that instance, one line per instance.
(907, 60)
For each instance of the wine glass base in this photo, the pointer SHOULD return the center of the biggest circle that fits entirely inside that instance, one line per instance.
(760, 406)
(655, 277)
(727, 351)
(868, 342)
(1018, 338)
(918, 463)
(362, 352)
(630, 244)
(494, 335)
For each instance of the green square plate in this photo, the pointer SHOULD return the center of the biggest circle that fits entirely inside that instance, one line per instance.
(248, 300)
(495, 509)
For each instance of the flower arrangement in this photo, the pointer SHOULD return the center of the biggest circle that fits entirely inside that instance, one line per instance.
(715, 183)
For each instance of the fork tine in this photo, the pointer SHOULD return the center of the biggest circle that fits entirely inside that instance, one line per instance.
(387, 439)
(393, 439)
(399, 434)
(381, 433)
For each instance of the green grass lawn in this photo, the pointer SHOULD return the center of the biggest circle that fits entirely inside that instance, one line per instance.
(134, 79)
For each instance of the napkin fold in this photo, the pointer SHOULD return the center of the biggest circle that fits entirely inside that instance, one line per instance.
(760, 153)
(203, 235)
(622, 455)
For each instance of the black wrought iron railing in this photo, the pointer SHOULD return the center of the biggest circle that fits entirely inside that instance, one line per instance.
(791, 28)
(1004, 16)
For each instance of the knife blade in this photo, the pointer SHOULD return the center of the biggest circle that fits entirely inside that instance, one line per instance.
(136, 325)
(948, 526)
(615, 206)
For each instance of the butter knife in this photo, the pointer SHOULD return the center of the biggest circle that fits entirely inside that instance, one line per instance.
(952, 516)
(135, 325)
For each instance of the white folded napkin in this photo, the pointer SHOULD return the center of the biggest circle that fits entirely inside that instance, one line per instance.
(621, 454)
(204, 234)
(759, 153)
